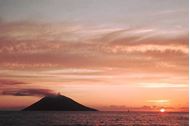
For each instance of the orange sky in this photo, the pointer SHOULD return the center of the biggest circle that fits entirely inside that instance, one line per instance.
(106, 64)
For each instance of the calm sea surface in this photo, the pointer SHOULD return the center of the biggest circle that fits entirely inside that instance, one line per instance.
(93, 119)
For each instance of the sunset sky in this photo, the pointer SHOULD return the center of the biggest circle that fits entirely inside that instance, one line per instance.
(107, 54)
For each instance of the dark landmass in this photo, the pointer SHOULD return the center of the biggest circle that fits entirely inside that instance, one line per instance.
(57, 103)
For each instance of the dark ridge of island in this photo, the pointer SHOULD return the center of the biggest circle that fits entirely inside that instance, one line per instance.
(57, 103)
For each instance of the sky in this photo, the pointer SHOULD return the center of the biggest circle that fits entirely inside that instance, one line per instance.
(111, 54)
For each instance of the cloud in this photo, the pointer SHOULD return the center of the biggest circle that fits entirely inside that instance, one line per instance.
(163, 85)
(61, 47)
(159, 101)
(8, 82)
(28, 92)
(147, 48)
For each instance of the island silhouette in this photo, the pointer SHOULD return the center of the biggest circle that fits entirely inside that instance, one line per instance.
(57, 103)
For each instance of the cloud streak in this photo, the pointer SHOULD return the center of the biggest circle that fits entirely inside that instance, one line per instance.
(163, 85)
(28, 92)
(68, 45)
(84, 53)
(9, 82)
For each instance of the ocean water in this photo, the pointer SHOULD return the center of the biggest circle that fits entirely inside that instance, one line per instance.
(23, 118)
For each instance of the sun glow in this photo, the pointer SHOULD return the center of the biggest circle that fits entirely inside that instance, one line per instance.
(162, 110)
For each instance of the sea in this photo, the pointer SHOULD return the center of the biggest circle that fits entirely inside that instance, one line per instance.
(60, 118)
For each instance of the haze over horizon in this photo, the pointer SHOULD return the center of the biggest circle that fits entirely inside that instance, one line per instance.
(111, 54)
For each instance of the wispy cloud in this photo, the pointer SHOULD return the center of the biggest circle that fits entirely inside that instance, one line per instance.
(28, 92)
(163, 85)
(159, 101)
(10, 82)
(53, 45)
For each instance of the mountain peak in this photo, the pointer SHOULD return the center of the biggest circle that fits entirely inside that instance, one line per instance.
(57, 103)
